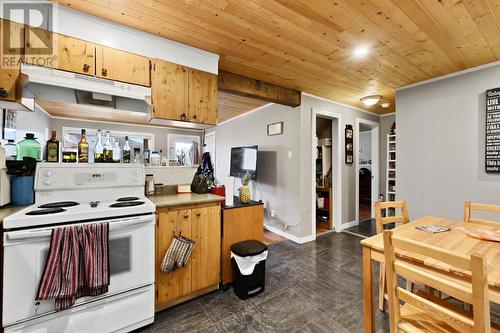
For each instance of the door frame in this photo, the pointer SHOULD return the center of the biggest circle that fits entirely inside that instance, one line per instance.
(336, 161)
(375, 168)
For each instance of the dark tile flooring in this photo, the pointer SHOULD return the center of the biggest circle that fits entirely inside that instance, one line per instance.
(314, 287)
(365, 228)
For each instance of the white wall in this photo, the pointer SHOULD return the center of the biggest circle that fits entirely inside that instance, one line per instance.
(73, 23)
(277, 174)
(440, 144)
(365, 146)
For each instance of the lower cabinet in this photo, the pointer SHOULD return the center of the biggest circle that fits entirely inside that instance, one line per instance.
(200, 223)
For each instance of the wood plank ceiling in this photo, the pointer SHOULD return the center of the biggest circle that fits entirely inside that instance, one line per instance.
(309, 45)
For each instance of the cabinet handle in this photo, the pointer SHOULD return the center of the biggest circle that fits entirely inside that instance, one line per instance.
(194, 116)
(186, 215)
(86, 68)
(104, 72)
(198, 214)
(3, 92)
(183, 117)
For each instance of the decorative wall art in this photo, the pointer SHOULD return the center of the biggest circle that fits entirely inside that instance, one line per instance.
(492, 158)
(275, 129)
(349, 146)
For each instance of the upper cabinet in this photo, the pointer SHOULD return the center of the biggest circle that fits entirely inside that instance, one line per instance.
(122, 66)
(202, 97)
(11, 55)
(169, 90)
(58, 51)
(182, 93)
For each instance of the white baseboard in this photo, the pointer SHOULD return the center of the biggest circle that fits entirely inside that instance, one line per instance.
(348, 225)
(282, 233)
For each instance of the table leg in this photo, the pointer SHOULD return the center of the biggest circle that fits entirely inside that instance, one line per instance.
(369, 318)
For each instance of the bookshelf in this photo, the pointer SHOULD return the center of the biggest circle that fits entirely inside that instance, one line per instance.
(390, 194)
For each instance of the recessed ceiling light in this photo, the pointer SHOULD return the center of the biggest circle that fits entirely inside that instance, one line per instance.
(370, 100)
(385, 105)
(361, 51)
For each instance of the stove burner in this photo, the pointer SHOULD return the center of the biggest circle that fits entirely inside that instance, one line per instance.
(60, 204)
(46, 211)
(127, 199)
(127, 204)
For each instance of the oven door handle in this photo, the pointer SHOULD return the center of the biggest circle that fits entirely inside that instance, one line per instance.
(131, 222)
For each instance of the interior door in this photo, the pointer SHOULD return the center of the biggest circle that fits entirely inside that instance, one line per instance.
(170, 90)
(122, 66)
(375, 167)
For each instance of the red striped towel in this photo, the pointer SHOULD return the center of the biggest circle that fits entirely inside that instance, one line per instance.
(77, 264)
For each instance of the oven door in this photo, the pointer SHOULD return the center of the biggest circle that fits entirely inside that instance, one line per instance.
(131, 259)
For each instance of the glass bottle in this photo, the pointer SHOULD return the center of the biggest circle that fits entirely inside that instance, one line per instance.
(83, 149)
(29, 147)
(146, 152)
(108, 148)
(52, 149)
(99, 148)
(116, 152)
(10, 150)
(69, 155)
(126, 151)
(137, 155)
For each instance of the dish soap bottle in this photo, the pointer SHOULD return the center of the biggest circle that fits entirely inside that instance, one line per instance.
(126, 151)
(83, 149)
(52, 151)
(29, 147)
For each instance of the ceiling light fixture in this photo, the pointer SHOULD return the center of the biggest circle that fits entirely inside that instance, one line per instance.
(361, 51)
(385, 105)
(370, 100)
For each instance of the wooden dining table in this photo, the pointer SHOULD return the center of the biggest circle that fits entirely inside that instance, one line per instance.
(454, 240)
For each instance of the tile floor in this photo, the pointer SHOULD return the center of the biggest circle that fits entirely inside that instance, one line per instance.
(315, 287)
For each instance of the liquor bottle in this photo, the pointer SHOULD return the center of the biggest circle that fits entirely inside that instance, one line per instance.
(99, 149)
(52, 151)
(116, 152)
(108, 149)
(83, 149)
(126, 151)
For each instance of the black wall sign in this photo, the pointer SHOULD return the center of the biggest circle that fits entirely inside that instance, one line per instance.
(493, 130)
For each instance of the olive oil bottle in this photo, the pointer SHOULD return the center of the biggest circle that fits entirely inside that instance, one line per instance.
(83, 149)
(108, 149)
(52, 151)
(99, 149)
(126, 151)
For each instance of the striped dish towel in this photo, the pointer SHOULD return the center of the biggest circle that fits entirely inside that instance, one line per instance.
(77, 264)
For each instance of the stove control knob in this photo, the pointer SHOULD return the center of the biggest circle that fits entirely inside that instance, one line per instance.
(47, 181)
(48, 173)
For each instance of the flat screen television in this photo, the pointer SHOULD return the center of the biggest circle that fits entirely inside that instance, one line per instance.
(244, 159)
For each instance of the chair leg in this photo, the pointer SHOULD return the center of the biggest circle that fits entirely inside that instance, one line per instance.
(381, 288)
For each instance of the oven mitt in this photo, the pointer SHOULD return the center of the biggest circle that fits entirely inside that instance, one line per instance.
(168, 262)
(186, 253)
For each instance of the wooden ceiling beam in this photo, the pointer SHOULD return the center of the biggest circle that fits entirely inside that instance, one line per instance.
(248, 87)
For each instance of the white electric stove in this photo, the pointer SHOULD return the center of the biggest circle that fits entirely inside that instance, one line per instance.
(67, 194)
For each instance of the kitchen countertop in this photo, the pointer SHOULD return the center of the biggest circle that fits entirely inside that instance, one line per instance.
(9, 210)
(168, 200)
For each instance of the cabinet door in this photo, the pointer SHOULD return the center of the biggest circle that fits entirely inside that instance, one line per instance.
(122, 66)
(172, 285)
(59, 51)
(11, 54)
(170, 90)
(202, 97)
(206, 232)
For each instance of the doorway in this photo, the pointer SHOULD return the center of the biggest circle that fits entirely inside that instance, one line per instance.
(367, 166)
(326, 181)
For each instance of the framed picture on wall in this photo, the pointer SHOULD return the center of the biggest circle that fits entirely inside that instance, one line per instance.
(275, 129)
(349, 144)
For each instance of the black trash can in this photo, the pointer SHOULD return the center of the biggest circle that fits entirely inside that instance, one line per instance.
(246, 286)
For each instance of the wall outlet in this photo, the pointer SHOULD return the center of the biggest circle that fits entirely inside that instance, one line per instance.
(273, 214)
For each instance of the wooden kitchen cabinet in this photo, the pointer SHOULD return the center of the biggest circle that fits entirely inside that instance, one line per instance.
(122, 66)
(62, 52)
(170, 90)
(182, 93)
(200, 223)
(202, 97)
(12, 55)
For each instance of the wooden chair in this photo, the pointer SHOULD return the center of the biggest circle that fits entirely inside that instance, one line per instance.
(380, 222)
(469, 207)
(423, 312)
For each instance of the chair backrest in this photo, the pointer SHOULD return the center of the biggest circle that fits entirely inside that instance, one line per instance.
(381, 221)
(469, 207)
(473, 292)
